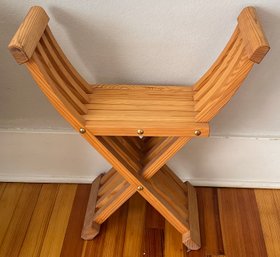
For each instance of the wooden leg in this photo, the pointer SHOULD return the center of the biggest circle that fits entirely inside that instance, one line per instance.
(143, 171)
(191, 239)
(175, 200)
(91, 228)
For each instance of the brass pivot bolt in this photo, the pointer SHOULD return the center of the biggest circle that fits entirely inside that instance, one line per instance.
(197, 132)
(82, 130)
(140, 188)
(140, 132)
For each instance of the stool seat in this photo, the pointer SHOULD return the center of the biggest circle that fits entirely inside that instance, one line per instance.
(121, 110)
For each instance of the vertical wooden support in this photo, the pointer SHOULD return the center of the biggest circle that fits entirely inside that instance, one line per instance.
(191, 239)
(91, 228)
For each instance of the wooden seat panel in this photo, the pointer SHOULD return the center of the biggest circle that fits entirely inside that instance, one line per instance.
(158, 110)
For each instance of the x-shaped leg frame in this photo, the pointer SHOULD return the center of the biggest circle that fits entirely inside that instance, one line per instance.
(139, 165)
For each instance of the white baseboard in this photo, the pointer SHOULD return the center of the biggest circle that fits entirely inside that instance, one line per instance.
(49, 157)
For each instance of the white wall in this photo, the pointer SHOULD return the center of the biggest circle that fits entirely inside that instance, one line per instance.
(161, 42)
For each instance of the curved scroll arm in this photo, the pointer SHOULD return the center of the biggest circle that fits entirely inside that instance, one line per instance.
(247, 46)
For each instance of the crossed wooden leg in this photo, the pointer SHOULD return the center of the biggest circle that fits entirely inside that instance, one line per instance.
(159, 185)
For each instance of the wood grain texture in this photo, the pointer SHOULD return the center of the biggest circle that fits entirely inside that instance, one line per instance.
(240, 222)
(73, 244)
(39, 222)
(20, 220)
(252, 34)
(8, 203)
(28, 35)
(269, 208)
(135, 227)
(55, 233)
(232, 221)
(90, 227)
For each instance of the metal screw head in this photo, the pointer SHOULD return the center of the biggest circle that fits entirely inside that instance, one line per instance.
(82, 130)
(140, 188)
(140, 131)
(197, 132)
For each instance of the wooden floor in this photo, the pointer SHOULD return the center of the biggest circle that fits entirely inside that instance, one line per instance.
(46, 220)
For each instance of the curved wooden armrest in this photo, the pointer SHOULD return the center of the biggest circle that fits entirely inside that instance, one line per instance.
(253, 36)
(28, 35)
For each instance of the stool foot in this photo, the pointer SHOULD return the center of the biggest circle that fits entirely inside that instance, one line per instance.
(91, 228)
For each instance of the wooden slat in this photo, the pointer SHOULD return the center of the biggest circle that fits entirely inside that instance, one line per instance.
(216, 65)
(220, 69)
(269, 210)
(91, 228)
(111, 183)
(225, 93)
(230, 66)
(107, 176)
(28, 35)
(73, 243)
(114, 203)
(74, 73)
(63, 72)
(55, 233)
(156, 149)
(150, 88)
(240, 223)
(173, 194)
(55, 97)
(151, 128)
(19, 222)
(140, 115)
(58, 81)
(163, 156)
(253, 35)
(123, 152)
(134, 233)
(39, 222)
(105, 198)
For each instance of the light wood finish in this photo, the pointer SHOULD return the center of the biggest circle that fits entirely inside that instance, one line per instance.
(28, 35)
(111, 117)
(253, 35)
(247, 46)
(91, 228)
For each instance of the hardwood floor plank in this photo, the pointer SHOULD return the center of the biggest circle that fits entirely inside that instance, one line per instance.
(115, 233)
(211, 235)
(58, 222)
(135, 226)
(269, 208)
(19, 223)
(37, 228)
(153, 244)
(173, 246)
(95, 247)
(240, 222)
(2, 188)
(8, 203)
(73, 243)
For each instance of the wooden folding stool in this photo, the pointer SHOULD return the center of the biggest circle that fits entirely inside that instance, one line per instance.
(138, 128)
